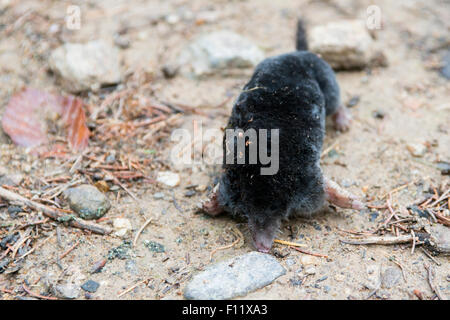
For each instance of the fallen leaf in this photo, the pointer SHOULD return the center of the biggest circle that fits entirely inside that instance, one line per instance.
(30, 111)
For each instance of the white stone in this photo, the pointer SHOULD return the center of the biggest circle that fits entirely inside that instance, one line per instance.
(343, 44)
(307, 260)
(417, 149)
(217, 51)
(86, 66)
(168, 178)
(310, 270)
(122, 227)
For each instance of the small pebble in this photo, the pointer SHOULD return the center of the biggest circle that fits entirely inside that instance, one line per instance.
(339, 277)
(89, 202)
(190, 193)
(168, 178)
(122, 227)
(90, 286)
(310, 270)
(416, 149)
(158, 195)
(307, 260)
(378, 114)
(353, 101)
(296, 281)
(373, 216)
(290, 261)
(201, 188)
(444, 167)
(322, 279)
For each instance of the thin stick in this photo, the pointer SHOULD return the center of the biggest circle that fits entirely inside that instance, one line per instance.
(54, 213)
(399, 188)
(414, 241)
(69, 250)
(310, 253)
(289, 243)
(33, 249)
(140, 231)
(324, 152)
(223, 248)
(435, 288)
(31, 293)
(430, 256)
(442, 197)
(380, 240)
(132, 287)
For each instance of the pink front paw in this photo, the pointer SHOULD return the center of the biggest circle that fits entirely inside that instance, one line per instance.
(342, 119)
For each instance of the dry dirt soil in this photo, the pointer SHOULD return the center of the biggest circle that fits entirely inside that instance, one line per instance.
(369, 160)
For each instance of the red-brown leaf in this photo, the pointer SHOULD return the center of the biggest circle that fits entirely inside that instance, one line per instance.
(27, 113)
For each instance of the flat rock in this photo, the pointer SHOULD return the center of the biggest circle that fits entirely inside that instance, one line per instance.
(88, 201)
(234, 277)
(218, 50)
(390, 277)
(344, 44)
(86, 66)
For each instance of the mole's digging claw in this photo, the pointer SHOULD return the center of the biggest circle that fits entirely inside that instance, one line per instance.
(340, 197)
(211, 206)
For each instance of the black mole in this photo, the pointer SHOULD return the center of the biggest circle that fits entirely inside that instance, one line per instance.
(291, 94)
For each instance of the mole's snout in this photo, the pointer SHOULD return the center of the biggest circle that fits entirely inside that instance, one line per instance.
(263, 230)
(262, 243)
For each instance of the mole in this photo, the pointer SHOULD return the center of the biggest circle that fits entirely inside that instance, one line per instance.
(285, 101)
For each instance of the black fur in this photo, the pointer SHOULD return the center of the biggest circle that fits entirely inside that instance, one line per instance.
(291, 92)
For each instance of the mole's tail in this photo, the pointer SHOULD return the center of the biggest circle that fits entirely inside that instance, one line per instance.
(301, 43)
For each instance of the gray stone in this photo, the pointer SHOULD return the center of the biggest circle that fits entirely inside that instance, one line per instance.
(440, 236)
(11, 180)
(445, 70)
(343, 44)
(158, 195)
(218, 51)
(234, 277)
(67, 291)
(86, 66)
(88, 201)
(90, 286)
(390, 277)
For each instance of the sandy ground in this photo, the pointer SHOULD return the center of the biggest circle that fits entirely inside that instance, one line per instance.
(370, 160)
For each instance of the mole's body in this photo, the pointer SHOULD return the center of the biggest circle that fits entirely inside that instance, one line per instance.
(292, 94)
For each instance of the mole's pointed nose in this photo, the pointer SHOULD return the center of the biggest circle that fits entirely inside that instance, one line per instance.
(263, 244)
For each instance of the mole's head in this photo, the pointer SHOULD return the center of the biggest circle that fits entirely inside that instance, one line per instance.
(263, 228)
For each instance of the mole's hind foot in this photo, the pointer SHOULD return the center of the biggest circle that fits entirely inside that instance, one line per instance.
(211, 206)
(340, 197)
(342, 119)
